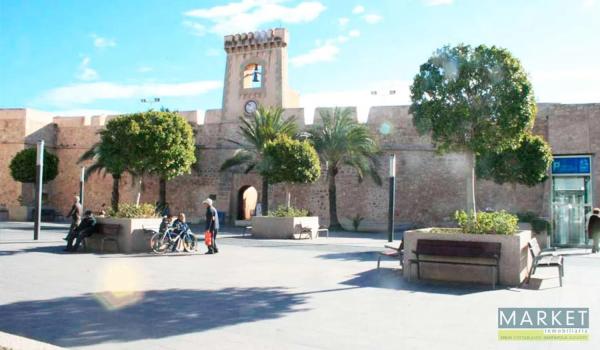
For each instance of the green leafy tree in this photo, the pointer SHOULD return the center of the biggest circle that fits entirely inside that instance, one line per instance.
(264, 126)
(341, 141)
(527, 164)
(115, 153)
(23, 166)
(166, 146)
(290, 161)
(474, 100)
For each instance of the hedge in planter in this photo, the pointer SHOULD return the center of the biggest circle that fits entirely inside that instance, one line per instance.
(500, 223)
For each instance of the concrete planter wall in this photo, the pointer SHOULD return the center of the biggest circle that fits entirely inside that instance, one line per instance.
(17, 212)
(515, 260)
(282, 228)
(132, 238)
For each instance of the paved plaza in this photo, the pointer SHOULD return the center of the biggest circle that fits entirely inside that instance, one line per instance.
(262, 294)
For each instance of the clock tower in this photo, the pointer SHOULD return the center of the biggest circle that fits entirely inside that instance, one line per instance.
(256, 73)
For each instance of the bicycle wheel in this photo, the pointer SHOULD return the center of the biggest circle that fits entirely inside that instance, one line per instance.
(159, 243)
(190, 242)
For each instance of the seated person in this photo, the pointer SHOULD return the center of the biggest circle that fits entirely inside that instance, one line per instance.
(165, 224)
(85, 229)
(180, 227)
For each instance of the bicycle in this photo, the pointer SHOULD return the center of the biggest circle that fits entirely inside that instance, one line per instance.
(163, 241)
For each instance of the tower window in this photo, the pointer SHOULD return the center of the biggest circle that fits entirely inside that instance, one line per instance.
(253, 76)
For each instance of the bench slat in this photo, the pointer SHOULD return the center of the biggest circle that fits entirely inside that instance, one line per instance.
(458, 248)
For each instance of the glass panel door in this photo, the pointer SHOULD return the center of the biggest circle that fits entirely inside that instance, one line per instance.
(569, 211)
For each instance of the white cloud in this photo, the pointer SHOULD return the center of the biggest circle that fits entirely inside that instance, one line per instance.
(342, 39)
(566, 85)
(84, 93)
(343, 21)
(250, 15)
(589, 3)
(195, 27)
(84, 72)
(361, 99)
(358, 9)
(437, 2)
(102, 42)
(372, 18)
(145, 69)
(354, 33)
(325, 53)
(83, 112)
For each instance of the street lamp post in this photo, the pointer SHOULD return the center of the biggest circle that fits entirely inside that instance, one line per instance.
(392, 198)
(81, 185)
(39, 171)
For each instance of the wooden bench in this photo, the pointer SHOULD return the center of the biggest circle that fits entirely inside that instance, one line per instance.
(485, 254)
(545, 259)
(106, 232)
(393, 252)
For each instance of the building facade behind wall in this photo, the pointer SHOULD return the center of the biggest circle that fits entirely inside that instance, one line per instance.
(429, 187)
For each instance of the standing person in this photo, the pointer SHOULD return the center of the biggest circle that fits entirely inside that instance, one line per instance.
(85, 229)
(75, 214)
(594, 229)
(212, 224)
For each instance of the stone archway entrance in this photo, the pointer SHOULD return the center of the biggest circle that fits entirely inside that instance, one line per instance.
(247, 197)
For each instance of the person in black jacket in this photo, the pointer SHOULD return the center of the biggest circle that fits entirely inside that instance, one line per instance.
(85, 229)
(594, 230)
(212, 225)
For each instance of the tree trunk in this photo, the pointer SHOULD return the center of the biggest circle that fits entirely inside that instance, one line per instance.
(264, 200)
(334, 224)
(471, 204)
(162, 192)
(114, 200)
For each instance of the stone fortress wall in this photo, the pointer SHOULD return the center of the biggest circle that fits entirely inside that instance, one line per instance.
(429, 187)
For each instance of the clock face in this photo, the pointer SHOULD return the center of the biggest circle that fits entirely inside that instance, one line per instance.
(250, 107)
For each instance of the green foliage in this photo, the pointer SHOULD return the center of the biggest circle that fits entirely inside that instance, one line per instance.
(340, 140)
(527, 164)
(22, 166)
(527, 216)
(538, 225)
(266, 125)
(356, 220)
(500, 223)
(165, 144)
(473, 99)
(291, 212)
(292, 161)
(130, 210)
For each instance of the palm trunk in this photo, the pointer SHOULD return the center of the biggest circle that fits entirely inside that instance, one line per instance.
(162, 192)
(114, 200)
(334, 224)
(264, 201)
(471, 204)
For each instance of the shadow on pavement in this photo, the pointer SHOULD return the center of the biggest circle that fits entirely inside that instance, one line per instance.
(88, 319)
(352, 256)
(390, 278)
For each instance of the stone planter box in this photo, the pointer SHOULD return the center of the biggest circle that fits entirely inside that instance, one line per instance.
(132, 238)
(514, 265)
(282, 228)
(17, 212)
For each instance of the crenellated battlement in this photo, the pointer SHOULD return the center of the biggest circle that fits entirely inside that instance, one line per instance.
(261, 39)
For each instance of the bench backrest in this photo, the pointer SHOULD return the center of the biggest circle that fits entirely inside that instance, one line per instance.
(534, 247)
(459, 248)
(109, 229)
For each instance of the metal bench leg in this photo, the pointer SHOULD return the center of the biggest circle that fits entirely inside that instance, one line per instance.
(102, 245)
(378, 261)
(560, 274)
(418, 270)
(494, 277)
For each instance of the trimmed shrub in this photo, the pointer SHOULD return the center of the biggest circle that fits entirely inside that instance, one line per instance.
(499, 223)
(291, 212)
(132, 211)
(22, 166)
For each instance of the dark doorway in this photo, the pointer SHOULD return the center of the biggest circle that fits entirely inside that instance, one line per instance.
(247, 197)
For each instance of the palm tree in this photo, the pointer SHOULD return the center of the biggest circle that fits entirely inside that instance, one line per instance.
(264, 126)
(96, 153)
(340, 141)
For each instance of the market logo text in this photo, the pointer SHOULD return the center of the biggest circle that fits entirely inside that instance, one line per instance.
(571, 324)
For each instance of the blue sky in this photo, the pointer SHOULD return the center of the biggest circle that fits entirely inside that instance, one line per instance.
(88, 57)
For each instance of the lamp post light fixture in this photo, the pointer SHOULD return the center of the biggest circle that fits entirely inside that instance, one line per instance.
(39, 171)
(392, 197)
